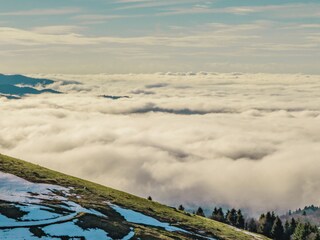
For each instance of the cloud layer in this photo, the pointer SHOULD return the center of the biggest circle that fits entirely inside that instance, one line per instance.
(243, 140)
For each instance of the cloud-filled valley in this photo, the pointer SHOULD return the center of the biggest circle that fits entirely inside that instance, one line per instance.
(243, 140)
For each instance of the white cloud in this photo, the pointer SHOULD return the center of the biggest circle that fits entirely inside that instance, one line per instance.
(301, 10)
(14, 36)
(258, 46)
(99, 17)
(133, 4)
(246, 140)
(42, 12)
(36, 37)
(57, 29)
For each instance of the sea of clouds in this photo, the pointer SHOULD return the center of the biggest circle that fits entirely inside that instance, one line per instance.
(243, 140)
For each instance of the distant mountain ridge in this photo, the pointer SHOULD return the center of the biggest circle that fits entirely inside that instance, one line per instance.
(23, 80)
(309, 214)
(16, 86)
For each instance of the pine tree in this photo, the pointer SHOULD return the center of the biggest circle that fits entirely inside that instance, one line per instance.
(251, 225)
(218, 215)
(232, 217)
(277, 229)
(215, 211)
(293, 225)
(261, 225)
(239, 220)
(214, 214)
(150, 198)
(273, 217)
(270, 217)
(200, 212)
(301, 232)
(181, 208)
(266, 223)
(228, 212)
(287, 231)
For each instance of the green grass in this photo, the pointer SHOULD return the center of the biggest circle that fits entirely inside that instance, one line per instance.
(93, 195)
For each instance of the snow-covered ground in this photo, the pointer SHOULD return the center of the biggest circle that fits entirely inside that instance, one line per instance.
(28, 198)
(15, 189)
(71, 229)
(139, 218)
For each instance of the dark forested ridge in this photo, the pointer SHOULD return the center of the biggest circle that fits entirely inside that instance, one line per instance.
(16, 86)
(23, 80)
(301, 224)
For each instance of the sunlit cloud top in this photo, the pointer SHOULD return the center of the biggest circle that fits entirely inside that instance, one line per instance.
(144, 36)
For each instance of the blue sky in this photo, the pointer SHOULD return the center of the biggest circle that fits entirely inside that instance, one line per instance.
(121, 36)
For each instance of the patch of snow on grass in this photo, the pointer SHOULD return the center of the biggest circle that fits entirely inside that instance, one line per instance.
(17, 234)
(71, 230)
(15, 189)
(77, 208)
(37, 212)
(139, 218)
(4, 219)
(36, 223)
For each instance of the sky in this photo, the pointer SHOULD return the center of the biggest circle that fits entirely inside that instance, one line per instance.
(249, 141)
(148, 36)
(223, 104)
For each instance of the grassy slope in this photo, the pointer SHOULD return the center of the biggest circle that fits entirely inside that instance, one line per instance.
(94, 194)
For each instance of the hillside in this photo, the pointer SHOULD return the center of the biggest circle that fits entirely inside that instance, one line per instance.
(310, 214)
(38, 203)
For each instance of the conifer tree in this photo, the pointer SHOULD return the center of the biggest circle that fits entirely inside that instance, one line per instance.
(287, 231)
(301, 232)
(181, 207)
(293, 225)
(232, 217)
(218, 215)
(251, 225)
(200, 212)
(273, 217)
(277, 229)
(266, 223)
(215, 211)
(261, 225)
(214, 214)
(240, 220)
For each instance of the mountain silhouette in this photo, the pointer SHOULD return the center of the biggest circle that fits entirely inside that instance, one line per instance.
(16, 86)
(23, 80)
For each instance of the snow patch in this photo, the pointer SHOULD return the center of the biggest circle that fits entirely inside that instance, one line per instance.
(130, 235)
(18, 234)
(15, 189)
(72, 230)
(139, 218)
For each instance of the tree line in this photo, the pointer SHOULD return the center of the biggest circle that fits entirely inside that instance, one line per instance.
(268, 224)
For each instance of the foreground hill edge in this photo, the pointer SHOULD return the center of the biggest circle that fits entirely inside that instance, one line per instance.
(93, 194)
